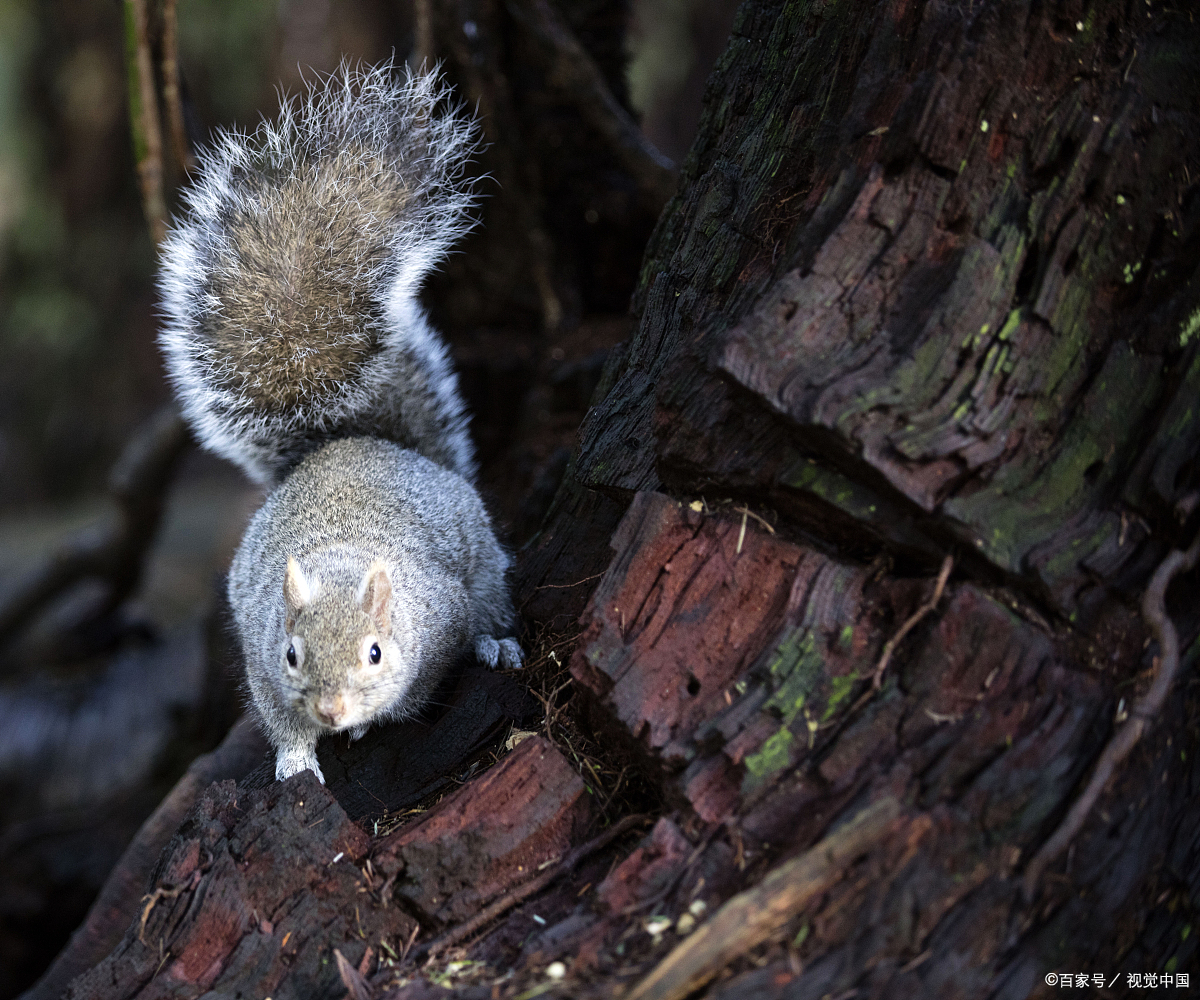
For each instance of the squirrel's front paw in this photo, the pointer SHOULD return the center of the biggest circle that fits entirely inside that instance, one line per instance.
(287, 764)
(499, 654)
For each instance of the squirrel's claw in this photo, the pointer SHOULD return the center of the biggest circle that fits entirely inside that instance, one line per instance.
(512, 657)
(293, 763)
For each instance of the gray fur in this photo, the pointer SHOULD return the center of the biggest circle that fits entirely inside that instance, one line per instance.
(351, 506)
(298, 350)
(289, 288)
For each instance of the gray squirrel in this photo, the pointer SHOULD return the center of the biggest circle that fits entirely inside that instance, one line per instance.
(298, 350)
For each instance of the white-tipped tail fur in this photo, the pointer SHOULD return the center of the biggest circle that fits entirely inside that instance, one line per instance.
(290, 285)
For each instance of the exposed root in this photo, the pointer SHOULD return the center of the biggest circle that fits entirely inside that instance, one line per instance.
(913, 621)
(1141, 716)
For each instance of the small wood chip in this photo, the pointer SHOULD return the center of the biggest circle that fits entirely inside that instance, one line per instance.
(351, 978)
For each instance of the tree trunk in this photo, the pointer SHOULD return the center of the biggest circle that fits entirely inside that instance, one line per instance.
(928, 289)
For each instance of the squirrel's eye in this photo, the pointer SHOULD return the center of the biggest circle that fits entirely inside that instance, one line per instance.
(291, 656)
(376, 654)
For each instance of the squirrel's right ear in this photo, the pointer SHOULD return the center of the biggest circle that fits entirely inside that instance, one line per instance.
(296, 592)
(375, 592)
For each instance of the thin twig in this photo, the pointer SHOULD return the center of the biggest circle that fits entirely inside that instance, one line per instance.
(746, 511)
(409, 943)
(143, 117)
(568, 586)
(1141, 716)
(171, 92)
(532, 887)
(163, 892)
(351, 978)
(913, 621)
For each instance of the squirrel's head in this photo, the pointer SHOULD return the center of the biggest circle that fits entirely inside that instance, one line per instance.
(341, 661)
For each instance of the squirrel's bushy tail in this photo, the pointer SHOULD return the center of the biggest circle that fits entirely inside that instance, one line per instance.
(290, 285)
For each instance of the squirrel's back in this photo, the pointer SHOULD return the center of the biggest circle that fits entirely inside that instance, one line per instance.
(290, 286)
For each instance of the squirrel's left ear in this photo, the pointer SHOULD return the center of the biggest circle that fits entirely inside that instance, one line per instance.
(376, 595)
(296, 591)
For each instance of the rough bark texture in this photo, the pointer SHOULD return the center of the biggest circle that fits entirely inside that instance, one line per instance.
(928, 287)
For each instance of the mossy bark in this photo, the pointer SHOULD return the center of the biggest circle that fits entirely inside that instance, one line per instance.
(928, 287)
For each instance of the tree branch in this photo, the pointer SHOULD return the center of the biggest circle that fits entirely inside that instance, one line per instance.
(171, 94)
(913, 621)
(143, 117)
(488, 86)
(113, 550)
(576, 74)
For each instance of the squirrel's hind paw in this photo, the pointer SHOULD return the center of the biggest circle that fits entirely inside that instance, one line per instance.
(512, 657)
(498, 654)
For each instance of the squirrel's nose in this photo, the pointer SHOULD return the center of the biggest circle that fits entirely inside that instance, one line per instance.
(330, 708)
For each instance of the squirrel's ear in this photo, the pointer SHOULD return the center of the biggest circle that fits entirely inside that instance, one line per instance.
(296, 592)
(376, 596)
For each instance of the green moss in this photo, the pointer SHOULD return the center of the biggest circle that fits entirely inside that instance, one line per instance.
(1064, 562)
(773, 757)
(1189, 328)
(832, 487)
(797, 668)
(1010, 325)
(1025, 506)
(840, 691)
(1063, 360)
(913, 376)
